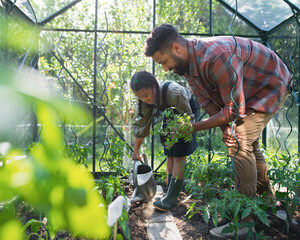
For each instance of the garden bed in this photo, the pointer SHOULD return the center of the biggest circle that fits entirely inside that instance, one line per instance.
(196, 227)
(190, 229)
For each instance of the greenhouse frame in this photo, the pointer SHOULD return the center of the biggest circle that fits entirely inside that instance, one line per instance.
(83, 53)
(263, 25)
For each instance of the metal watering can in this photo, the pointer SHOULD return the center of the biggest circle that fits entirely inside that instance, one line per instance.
(143, 181)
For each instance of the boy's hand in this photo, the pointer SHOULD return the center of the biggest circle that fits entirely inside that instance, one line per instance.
(136, 156)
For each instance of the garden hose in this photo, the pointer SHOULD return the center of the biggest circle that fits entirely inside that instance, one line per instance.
(231, 95)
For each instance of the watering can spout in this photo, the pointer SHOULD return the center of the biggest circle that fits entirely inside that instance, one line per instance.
(143, 182)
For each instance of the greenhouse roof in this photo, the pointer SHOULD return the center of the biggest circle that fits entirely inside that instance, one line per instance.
(42, 11)
(262, 15)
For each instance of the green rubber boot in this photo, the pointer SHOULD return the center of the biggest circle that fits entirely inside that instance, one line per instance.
(170, 200)
(168, 183)
(169, 179)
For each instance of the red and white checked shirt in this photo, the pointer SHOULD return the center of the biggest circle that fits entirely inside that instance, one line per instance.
(258, 80)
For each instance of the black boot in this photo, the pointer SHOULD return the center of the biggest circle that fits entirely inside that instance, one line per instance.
(168, 183)
(170, 200)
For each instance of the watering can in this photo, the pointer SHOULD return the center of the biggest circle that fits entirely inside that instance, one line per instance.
(143, 181)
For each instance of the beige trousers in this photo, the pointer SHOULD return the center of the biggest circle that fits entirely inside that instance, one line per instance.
(249, 161)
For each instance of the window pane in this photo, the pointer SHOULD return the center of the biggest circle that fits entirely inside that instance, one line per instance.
(264, 14)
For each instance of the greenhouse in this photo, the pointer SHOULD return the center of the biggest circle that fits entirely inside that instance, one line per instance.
(148, 119)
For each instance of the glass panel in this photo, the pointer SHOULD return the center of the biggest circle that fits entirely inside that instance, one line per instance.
(40, 9)
(26, 8)
(80, 16)
(280, 136)
(187, 16)
(134, 15)
(295, 2)
(222, 18)
(283, 42)
(121, 16)
(119, 56)
(264, 14)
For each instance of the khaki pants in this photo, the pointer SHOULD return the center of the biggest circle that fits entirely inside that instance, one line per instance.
(249, 161)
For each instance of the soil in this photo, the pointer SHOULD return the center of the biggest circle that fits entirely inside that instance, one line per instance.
(196, 227)
(190, 229)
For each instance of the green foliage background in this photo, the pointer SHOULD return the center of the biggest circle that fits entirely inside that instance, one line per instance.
(65, 50)
(120, 54)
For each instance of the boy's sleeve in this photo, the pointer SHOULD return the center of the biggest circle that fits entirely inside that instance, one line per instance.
(141, 124)
(179, 98)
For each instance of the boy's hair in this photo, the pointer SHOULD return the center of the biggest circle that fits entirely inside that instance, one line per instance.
(141, 80)
(161, 38)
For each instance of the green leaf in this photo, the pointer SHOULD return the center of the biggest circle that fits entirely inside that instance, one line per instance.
(245, 212)
(263, 217)
(77, 196)
(236, 209)
(228, 229)
(109, 193)
(119, 237)
(123, 222)
(206, 214)
(35, 226)
(215, 218)
(30, 222)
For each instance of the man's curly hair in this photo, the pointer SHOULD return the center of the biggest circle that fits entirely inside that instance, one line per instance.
(161, 38)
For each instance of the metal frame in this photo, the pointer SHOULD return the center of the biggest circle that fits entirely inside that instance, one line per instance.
(261, 34)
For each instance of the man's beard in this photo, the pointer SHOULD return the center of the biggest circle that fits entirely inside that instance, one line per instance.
(180, 67)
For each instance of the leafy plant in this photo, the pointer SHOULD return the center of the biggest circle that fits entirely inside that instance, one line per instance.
(284, 173)
(207, 179)
(45, 178)
(78, 153)
(118, 149)
(176, 127)
(111, 187)
(234, 207)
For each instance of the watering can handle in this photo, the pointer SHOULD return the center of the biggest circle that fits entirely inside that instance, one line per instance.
(145, 159)
(134, 174)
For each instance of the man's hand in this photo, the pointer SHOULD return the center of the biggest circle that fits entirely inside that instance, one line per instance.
(228, 137)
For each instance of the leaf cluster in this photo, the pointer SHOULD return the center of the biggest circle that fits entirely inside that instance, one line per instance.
(176, 127)
(233, 207)
(45, 178)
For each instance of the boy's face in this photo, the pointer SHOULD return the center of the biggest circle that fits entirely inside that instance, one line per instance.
(147, 95)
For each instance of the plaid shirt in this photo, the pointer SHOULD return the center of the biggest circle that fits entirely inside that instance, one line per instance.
(258, 81)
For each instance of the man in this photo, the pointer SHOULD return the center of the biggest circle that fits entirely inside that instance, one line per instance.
(234, 79)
